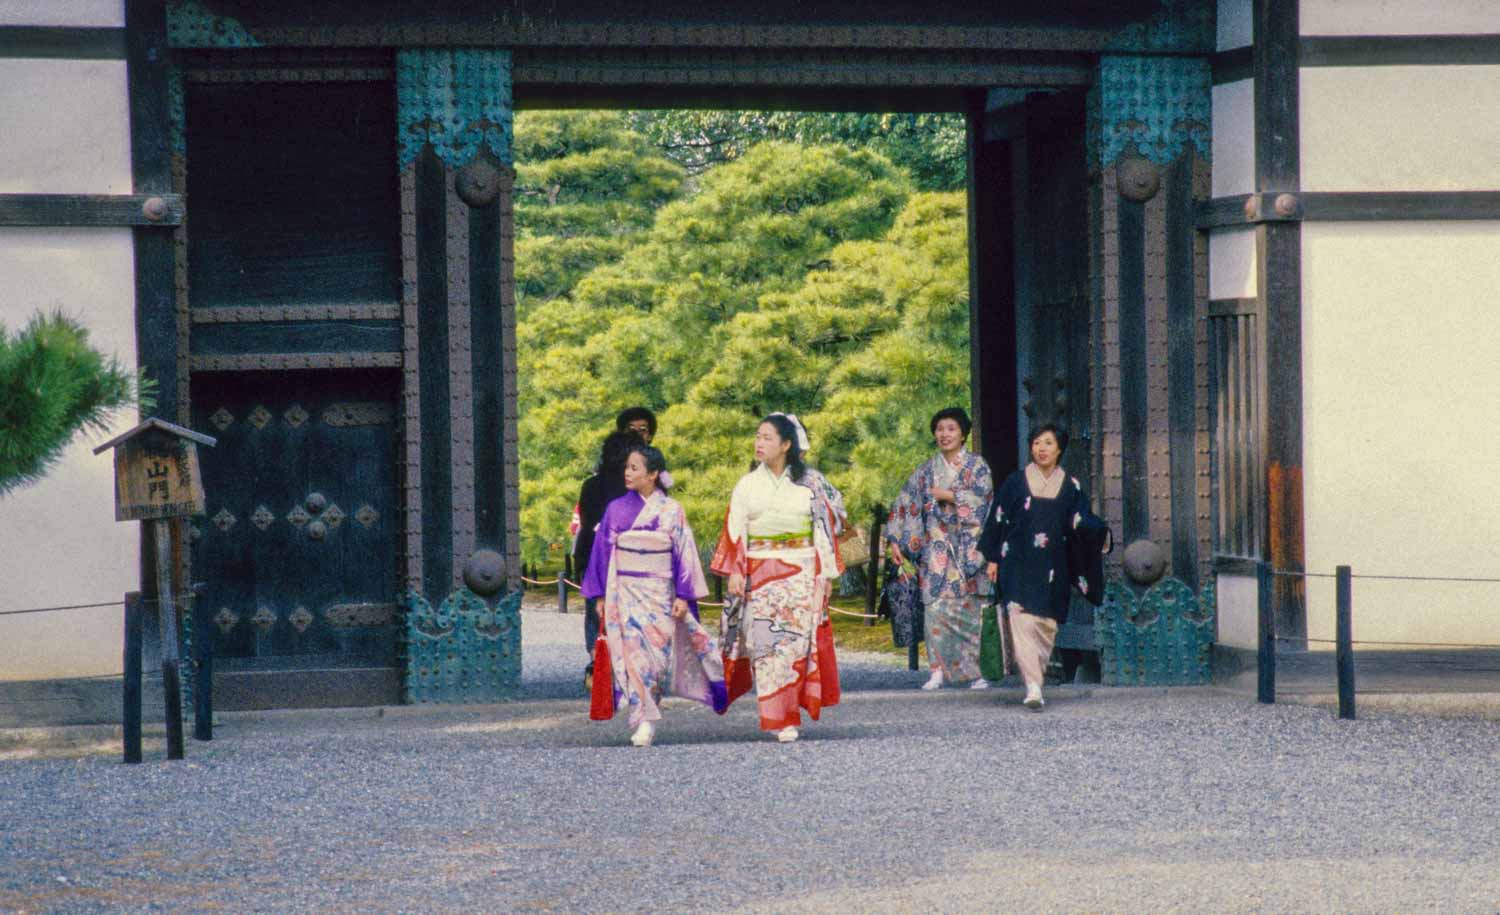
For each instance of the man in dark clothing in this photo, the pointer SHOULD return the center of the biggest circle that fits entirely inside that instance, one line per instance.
(606, 485)
(639, 420)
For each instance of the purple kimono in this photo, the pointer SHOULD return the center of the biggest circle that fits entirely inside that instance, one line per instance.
(644, 557)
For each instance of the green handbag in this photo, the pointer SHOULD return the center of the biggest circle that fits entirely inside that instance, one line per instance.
(991, 644)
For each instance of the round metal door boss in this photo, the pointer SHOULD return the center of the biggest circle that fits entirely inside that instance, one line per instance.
(1138, 179)
(484, 573)
(478, 183)
(1144, 562)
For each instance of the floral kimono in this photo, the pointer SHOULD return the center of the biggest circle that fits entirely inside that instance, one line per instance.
(781, 536)
(942, 540)
(643, 558)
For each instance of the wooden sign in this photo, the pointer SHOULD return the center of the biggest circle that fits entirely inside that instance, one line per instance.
(158, 482)
(156, 471)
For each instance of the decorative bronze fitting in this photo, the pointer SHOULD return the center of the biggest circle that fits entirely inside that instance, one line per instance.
(478, 183)
(1137, 178)
(316, 502)
(317, 530)
(1252, 208)
(1145, 562)
(154, 209)
(1286, 205)
(484, 573)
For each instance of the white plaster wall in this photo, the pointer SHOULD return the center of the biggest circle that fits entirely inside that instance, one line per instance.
(59, 542)
(1234, 138)
(1426, 128)
(1231, 263)
(64, 127)
(94, 13)
(1399, 17)
(1401, 369)
(1234, 24)
(1239, 611)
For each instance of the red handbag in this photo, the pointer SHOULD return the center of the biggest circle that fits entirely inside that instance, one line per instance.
(602, 695)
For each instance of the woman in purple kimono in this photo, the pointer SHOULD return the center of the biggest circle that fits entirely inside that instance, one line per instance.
(645, 565)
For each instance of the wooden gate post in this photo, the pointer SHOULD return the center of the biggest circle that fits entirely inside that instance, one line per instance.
(131, 718)
(872, 583)
(156, 479)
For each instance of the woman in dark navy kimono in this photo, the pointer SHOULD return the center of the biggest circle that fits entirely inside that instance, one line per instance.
(1042, 540)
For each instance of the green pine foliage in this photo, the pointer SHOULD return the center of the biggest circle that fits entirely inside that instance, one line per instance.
(52, 385)
(810, 278)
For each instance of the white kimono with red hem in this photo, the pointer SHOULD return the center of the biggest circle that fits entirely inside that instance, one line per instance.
(780, 535)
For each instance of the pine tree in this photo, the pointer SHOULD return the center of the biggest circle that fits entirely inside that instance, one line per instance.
(52, 385)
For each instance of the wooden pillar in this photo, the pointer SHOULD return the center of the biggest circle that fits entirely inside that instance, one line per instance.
(1274, 63)
(992, 296)
(462, 492)
(1151, 154)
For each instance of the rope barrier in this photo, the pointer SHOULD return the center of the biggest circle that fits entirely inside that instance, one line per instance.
(114, 603)
(867, 616)
(1284, 638)
(1287, 573)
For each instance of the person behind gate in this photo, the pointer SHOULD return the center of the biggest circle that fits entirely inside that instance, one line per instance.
(1042, 540)
(646, 568)
(935, 523)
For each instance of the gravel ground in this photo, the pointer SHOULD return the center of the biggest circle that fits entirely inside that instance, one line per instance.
(1111, 800)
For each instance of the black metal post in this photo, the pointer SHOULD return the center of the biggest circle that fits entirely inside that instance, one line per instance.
(872, 583)
(562, 593)
(1345, 640)
(719, 589)
(1266, 639)
(203, 677)
(913, 659)
(131, 719)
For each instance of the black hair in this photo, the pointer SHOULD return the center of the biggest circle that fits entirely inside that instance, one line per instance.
(1057, 432)
(956, 414)
(656, 462)
(787, 430)
(615, 451)
(631, 414)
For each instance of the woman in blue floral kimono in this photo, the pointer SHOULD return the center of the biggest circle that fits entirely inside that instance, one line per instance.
(645, 565)
(935, 523)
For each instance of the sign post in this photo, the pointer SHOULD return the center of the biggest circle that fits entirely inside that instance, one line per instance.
(157, 479)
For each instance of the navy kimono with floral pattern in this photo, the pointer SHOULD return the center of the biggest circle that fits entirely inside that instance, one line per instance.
(1045, 547)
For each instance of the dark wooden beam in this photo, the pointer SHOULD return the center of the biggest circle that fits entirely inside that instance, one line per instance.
(91, 210)
(1343, 206)
(433, 367)
(487, 366)
(992, 296)
(1277, 171)
(1223, 308)
(1182, 336)
(1036, 25)
(297, 337)
(1346, 206)
(1232, 66)
(1399, 50)
(62, 42)
(155, 259)
(1135, 480)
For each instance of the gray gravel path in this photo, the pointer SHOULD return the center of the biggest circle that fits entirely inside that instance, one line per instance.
(1111, 800)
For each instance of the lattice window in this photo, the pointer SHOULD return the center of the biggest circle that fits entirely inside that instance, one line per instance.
(1236, 379)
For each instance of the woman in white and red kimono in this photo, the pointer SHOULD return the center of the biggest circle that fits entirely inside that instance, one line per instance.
(779, 551)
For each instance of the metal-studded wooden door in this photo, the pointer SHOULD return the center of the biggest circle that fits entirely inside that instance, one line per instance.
(297, 550)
